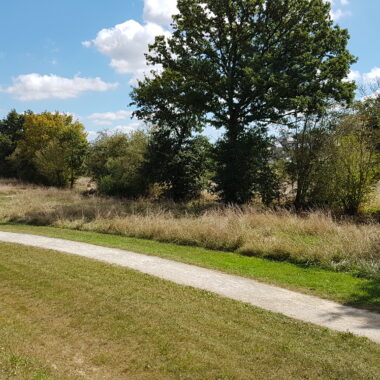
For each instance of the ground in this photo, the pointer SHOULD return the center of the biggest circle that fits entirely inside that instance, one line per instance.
(69, 317)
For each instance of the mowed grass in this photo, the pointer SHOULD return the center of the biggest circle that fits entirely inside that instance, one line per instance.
(341, 287)
(66, 317)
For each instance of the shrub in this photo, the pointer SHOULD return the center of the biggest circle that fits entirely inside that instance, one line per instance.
(116, 164)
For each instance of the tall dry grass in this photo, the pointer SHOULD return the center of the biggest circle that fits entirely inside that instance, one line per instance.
(314, 238)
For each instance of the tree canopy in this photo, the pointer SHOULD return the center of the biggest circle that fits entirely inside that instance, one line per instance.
(52, 149)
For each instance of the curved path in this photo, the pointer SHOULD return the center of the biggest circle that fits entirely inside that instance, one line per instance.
(295, 305)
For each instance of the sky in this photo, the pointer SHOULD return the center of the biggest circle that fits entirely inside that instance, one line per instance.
(82, 56)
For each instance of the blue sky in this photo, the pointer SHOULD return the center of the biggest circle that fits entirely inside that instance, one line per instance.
(81, 56)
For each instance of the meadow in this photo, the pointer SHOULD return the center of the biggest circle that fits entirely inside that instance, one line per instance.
(310, 239)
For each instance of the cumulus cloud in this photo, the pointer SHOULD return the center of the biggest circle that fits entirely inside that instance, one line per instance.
(37, 87)
(366, 78)
(373, 75)
(126, 43)
(107, 118)
(160, 11)
(368, 83)
(354, 75)
(122, 128)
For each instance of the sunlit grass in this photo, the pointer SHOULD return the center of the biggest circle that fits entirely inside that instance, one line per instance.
(341, 287)
(66, 317)
(311, 239)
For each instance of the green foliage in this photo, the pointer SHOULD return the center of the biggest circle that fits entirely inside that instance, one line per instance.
(176, 160)
(334, 161)
(356, 161)
(116, 163)
(308, 149)
(244, 168)
(11, 131)
(238, 64)
(178, 165)
(52, 150)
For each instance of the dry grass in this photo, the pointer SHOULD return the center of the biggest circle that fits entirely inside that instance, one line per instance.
(315, 238)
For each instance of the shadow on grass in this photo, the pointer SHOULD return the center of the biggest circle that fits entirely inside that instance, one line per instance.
(365, 296)
(368, 298)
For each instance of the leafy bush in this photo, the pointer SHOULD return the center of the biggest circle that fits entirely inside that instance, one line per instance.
(252, 173)
(178, 165)
(116, 163)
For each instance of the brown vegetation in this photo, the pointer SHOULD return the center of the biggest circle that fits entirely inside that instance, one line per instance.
(313, 238)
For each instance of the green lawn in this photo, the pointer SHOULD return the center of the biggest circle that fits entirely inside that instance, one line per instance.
(342, 287)
(67, 317)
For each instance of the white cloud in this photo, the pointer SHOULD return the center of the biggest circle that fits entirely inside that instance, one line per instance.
(368, 83)
(126, 44)
(373, 75)
(92, 135)
(37, 87)
(338, 13)
(107, 118)
(354, 75)
(160, 11)
(366, 78)
(122, 129)
(127, 128)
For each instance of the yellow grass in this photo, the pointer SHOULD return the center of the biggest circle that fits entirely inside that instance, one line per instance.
(314, 238)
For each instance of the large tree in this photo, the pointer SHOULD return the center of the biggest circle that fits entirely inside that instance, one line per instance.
(245, 63)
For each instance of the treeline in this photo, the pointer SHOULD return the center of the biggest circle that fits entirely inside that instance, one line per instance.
(332, 162)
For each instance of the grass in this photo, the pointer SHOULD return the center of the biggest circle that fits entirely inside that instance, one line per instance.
(310, 239)
(66, 317)
(341, 287)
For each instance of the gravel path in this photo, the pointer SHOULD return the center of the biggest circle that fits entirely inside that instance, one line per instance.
(295, 305)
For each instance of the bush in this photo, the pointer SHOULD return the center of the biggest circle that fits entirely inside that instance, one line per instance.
(178, 165)
(252, 175)
(116, 164)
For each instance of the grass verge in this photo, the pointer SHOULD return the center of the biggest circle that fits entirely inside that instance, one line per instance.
(341, 287)
(66, 317)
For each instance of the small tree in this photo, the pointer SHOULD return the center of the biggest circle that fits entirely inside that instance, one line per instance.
(178, 165)
(308, 149)
(11, 131)
(52, 150)
(357, 159)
